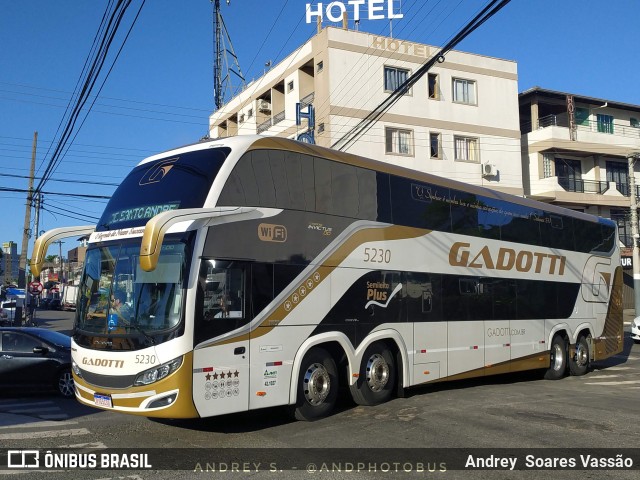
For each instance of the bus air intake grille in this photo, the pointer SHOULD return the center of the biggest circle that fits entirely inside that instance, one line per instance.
(108, 381)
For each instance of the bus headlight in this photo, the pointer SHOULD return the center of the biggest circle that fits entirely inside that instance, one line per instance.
(158, 373)
(76, 369)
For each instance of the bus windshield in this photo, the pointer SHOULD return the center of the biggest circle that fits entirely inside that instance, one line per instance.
(159, 186)
(117, 297)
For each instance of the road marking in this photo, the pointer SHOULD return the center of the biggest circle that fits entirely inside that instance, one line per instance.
(46, 434)
(34, 410)
(90, 445)
(22, 404)
(623, 382)
(29, 422)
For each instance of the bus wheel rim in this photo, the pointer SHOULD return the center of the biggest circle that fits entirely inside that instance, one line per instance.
(558, 357)
(317, 384)
(581, 355)
(377, 372)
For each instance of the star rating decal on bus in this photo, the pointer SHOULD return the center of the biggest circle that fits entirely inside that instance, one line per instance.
(220, 384)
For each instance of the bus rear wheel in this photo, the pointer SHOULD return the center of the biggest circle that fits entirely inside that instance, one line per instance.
(377, 377)
(579, 364)
(558, 366)
(317, 386)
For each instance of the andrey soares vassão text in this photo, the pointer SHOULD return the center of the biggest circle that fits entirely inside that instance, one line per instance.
(587, 462)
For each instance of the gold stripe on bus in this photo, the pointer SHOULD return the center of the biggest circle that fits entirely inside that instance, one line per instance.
(322, 272)
(531, 362)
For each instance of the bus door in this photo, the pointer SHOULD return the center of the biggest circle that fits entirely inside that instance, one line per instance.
(424, 310)
(500, 312)
(466, 305)
(221, 344)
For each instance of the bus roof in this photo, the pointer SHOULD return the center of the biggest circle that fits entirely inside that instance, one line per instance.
(241, 143)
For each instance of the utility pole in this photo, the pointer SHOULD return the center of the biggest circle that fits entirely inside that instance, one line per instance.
(22, 267)
(60, 275)
(634, 230)
(36, 220)
(27, 219)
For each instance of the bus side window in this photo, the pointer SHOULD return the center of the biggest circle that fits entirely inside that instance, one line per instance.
(220, 300)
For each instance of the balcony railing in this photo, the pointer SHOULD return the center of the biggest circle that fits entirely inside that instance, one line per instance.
(562, 120)
(264, 126)
(583, 186)
(278, 117)
(308, 100)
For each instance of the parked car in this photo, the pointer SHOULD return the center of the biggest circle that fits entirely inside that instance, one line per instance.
(8, 313)
(635, 329)
(35, 358)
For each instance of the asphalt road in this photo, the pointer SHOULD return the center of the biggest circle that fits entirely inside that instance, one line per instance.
(595, 411)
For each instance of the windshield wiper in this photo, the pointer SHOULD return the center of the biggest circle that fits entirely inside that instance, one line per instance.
(143, 332)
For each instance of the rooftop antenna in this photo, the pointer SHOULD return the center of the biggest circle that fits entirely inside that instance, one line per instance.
(391, 20)
(223, 49)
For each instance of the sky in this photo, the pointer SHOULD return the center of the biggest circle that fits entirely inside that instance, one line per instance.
(159, 93)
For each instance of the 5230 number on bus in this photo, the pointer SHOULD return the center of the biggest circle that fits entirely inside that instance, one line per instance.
(377, 255)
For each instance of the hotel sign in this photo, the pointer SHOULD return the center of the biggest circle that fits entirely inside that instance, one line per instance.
(362, 9)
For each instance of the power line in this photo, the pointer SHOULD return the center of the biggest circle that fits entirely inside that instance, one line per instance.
(70, 132)
(61, 180)
(75, 195)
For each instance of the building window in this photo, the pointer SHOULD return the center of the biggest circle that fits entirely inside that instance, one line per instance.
(435, 145)
(467, 149)
(582, 116)
(319, 66)
(290, 86)
(622, 219)
(569, 173)
(547, 168)
(394, 77)
(619, 172)
(242, 118)
(634, 122)
(464, 91)
(605, 123)
(433, 87)
(399, 141)
(250, 113)
(320, 128)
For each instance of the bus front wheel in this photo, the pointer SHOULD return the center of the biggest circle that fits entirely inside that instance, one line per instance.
(579, 364)
(377, 377)
(317, 386)
(558, 353)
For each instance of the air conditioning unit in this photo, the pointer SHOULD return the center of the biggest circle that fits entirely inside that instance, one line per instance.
(264, 106)
(489, 170)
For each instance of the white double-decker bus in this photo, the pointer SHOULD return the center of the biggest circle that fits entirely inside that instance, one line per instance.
(252, 272)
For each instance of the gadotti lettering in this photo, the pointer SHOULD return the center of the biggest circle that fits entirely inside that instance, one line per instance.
(461, 255)
(103, 362)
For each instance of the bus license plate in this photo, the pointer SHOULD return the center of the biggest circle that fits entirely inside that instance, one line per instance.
(102, 400)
